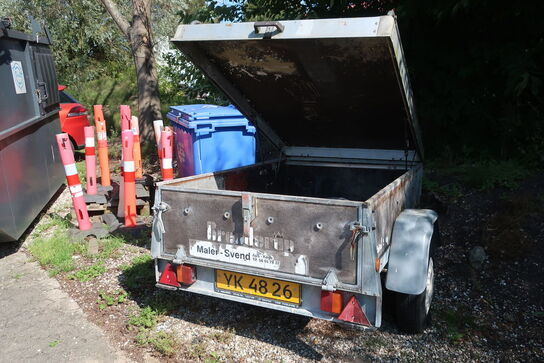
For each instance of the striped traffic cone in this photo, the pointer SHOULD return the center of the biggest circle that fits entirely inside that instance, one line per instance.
(129, 177)
(167, 144)
(90, 160)
(102, 138)
(158, 126)
(67, 157)
(137, 151)
(125, 125)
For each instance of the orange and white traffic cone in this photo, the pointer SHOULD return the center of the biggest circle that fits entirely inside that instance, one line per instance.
(167, 145)
(102, 138)
(67, 157)
(125, 125)
(157, 127)
(90, 160)
(137, 151)
(129, 177)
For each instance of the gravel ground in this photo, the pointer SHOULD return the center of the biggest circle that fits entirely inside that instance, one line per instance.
(494, 312)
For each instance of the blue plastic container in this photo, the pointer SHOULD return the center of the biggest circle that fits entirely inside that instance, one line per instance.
(211, 138)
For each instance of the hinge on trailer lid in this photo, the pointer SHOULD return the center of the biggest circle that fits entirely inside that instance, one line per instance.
(357, 230)
(330, 281)
(248, 214)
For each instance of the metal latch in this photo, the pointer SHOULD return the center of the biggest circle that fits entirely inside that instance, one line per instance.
(41, 92)
(357, 230)
(248, 213)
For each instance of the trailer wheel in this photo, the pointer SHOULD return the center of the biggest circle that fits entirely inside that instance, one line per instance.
(413, 311)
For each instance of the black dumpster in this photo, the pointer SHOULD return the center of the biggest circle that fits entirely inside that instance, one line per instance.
(29, 119)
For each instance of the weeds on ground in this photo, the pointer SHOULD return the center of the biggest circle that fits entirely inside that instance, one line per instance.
(146, 318)
(81, 170)
(109, 299)
(88, 273)
(139, 274)
(54, 343)
(109, 246)
(50, 221)
(224, 336)
(55, 252)
(458, 323)
(451, 190)
(163, 342)
(486, 174)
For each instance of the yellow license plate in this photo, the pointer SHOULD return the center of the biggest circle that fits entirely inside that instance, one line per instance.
(273, 289)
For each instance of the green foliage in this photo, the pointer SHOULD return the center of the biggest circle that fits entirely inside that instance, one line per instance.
(140, 274)
(146, 318)
(109, 299)
(482, 175)
(458, 323)
(55, 252)
(89, 273)
(54, 343)
(85, 43)
(479, 85)
(163, 342)
(109, 246)
(110, 92)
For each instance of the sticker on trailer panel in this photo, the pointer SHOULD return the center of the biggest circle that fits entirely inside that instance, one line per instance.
(18, 77)
(239, 255)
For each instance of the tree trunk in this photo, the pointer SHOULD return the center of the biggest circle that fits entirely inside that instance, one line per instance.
(139, 35)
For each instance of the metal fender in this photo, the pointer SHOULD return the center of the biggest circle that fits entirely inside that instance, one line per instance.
(409, 254)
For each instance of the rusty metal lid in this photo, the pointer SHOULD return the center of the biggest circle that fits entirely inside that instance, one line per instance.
(339, 83)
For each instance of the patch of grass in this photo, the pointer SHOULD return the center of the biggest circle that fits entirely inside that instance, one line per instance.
(198, 351)
(52, 220)
(81, 170)
(89, 273)
(163, 342)
(18, 276)
(54, 343)
(140, 274)
(487, 174)
(213, 358)
(109, 299)
(450, 190)
(55, 253)
(147, 318)
(458, 323)
(224, 336)
(109, 246)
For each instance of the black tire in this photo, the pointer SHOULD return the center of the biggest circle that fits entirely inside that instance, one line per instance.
(411, 311)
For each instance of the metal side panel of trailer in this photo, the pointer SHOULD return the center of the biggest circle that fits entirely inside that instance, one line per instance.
(31, 168)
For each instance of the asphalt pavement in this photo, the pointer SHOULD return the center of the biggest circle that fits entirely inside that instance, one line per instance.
(39, 322)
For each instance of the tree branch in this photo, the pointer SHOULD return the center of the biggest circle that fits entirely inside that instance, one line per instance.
(119, 19)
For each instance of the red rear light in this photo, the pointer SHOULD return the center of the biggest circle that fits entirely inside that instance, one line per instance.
(77, 111)
(331, 301)
(168, 276)
(186, 274)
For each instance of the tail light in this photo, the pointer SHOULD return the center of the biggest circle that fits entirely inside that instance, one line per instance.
(186, 274)
(77, 111)
(331, 301)
(168, 276)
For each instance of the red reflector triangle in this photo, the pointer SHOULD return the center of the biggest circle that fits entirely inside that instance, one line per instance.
(353, 313)
(168, 277)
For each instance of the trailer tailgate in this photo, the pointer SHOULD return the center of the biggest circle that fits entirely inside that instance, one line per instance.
(295, 235)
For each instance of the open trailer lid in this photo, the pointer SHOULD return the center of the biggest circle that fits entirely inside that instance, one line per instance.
(339, 83)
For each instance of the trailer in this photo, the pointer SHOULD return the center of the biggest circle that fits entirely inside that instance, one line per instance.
(330, 219)
(29, 119)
